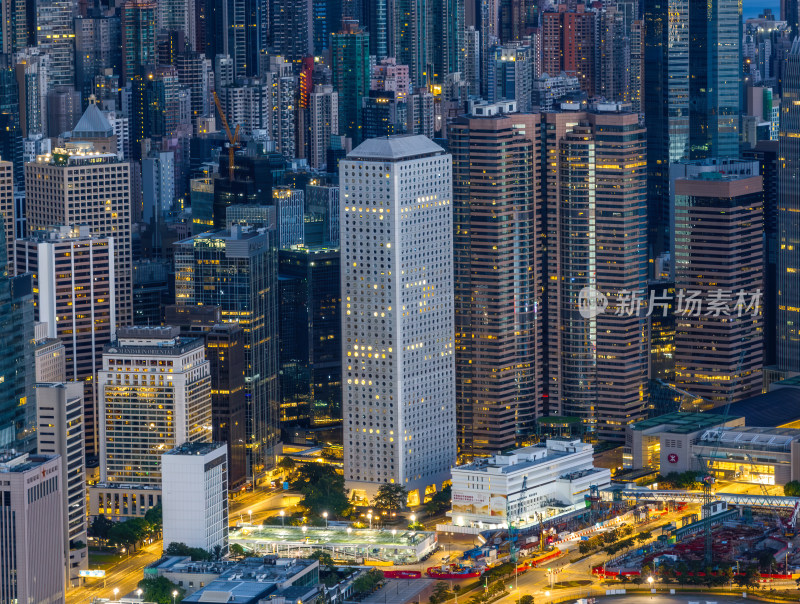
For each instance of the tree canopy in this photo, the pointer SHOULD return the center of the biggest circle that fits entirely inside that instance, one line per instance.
(391, 497)
(153, 517)
(159, 590)
(322, 488)
(324, 558)
(792, 488)
(181, 549)
(439, 501)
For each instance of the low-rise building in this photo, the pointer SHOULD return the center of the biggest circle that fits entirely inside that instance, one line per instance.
(664, 441)
(356, 545)
(122, 501)
(251, 580)
(518, 486)
(680, 442)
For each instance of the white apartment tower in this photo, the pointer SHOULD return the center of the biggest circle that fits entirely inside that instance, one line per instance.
(397, 326)
(154, 392)
(195, 495)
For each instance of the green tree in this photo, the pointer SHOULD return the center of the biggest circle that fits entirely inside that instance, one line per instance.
(440, 593)
(792, 488)
(749, 576)
(153, 517)
(391, 497)
(496, 588)
(181, 549)
(124, 534)
(323, 489)
(367, 582)
(100, 528)
(236, 550)
(439, 501)
(324, 558)
(160, 590)
(526, 599)
(287, 464)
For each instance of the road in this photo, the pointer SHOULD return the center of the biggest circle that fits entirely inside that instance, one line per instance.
(536, 581)
(124, 576)
(262, 503)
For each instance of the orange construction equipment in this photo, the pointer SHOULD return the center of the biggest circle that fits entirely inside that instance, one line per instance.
(233, 139)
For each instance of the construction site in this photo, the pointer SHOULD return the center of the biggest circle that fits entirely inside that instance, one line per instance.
(715, 531)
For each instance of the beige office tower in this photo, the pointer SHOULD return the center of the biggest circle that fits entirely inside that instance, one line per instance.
(7, 209)
(76, 185)
(75, 286)
(154, 392)
(719, 279)
(497, 259)
(49, 356)
(596, 245)
(31, 529)
(59, 425)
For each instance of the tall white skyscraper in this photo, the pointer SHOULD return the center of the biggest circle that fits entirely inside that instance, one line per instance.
(396, 226)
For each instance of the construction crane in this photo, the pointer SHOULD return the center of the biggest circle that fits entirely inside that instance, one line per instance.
(233, 139)
(791, 527)
(709, 479)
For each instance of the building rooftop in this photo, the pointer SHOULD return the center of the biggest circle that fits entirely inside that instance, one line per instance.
(189, 448)
(93, 124)
(393, 148)
(759, 439)
(12, 461)
(683, 423)
(333, 535)
(159, 341)
(527, 457)
(778, 407)
(247, 581)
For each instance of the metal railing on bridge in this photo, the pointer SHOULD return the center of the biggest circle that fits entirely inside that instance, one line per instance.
(756, 501)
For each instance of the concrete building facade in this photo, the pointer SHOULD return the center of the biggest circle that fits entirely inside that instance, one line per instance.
(517, 487)
(31, 529)
(154, 393)
(195, 495)
(397, 322)
(59, 419)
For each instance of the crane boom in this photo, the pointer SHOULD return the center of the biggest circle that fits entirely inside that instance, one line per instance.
(232, 138)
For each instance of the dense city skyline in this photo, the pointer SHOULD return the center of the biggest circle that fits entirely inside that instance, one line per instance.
(428, 265)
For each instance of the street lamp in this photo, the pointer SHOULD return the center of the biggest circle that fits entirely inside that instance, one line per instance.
(139, 593)
(413, 518)
(174, 595)
(369, 517)
(650, 581)
(251, 516)
(282, 513)
(325, 516)
(116, 591)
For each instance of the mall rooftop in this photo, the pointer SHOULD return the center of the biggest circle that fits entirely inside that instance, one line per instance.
(682, 423)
